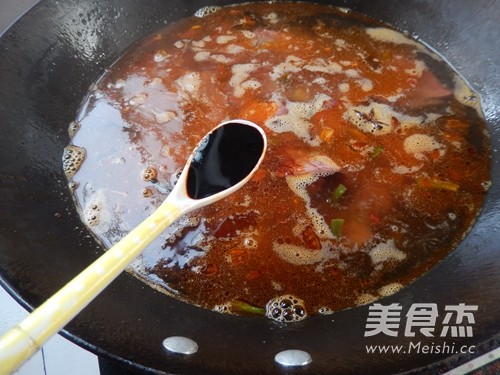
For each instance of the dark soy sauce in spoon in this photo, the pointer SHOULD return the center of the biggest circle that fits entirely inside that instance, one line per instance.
(226, 156)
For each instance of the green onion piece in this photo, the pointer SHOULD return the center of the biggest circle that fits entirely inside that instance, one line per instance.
(336, 226)
(376, 152)
(338, 193)
(432, 183)
(239, 306)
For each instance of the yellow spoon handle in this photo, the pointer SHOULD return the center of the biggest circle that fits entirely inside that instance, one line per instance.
(23, 340)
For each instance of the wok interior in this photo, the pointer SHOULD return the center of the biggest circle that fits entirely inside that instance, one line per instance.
(49, 60)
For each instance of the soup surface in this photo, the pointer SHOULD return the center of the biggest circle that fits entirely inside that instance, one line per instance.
(378, 158)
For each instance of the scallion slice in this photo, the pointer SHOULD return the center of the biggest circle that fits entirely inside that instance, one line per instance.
(336, 226)
(338, 193)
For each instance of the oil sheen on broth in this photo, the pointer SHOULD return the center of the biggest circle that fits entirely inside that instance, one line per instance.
(378, 158)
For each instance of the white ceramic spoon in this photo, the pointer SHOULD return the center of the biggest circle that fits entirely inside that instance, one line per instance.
(222, 162)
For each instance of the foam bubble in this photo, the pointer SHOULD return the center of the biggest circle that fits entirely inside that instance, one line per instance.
(248, 34)
(250, 243)
(224, 39)
(160, 56)
(119, 84)
(276, 286)
(384, 34)
(205, 11)
(271, 17)
(365, 299)
(189, 85)
(486, 185)
(466, 96)
(202, 56)
(92, 213)
(296, 120)
(73, 157)
(292, 64)
(234, 49)
(401, 169)
(251, 84)
(322, 66)
(155, 82)
(352, 73)
(384, 252)
(365, 84)
(390, 289)
(198, 44)
(344, 87)
(224, 308)
(419, 144)
(138, 99)
(150, 173)
(147, 192)
(164, 117)
(298, 184)
(297, 254)
(344, 10)
(325, 311)
(99, 214)
(73, 185)
(319, 80)
(74, 126)
(221, 59)
(240, 73)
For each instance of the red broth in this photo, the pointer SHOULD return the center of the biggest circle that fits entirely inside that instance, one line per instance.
(377, 166)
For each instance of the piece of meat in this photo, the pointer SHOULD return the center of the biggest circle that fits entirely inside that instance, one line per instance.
(300, 162)
(428, 91)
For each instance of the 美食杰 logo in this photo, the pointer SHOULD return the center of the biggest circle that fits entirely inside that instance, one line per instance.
(424, 320)
(423, 317)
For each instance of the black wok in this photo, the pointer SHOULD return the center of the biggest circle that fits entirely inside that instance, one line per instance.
(48, 60)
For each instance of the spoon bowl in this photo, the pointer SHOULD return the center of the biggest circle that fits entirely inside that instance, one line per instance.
(222, 162)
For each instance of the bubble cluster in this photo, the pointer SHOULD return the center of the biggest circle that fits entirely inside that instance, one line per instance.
(299, 255)
(365, 299)
(296, 120)
(188, 85)
(165, 116)
(299, 184)
(325, 311)
(73, 128)
(92, 214)
(384, 34)
(384, 252)
(390, 289)
(73, 157)
(138, 99)
(205, 11)
(160, 56)
(150, 174)
(119, 84)
(286, 308)
(224, 308)
(419, 144)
